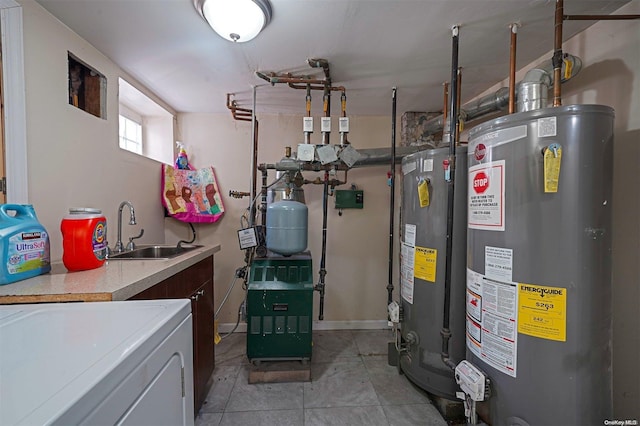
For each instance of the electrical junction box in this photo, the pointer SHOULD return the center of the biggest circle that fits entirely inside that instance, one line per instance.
(349, 198)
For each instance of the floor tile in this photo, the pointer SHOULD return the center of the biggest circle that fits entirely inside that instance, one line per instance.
(391, 387)
(264, 418)
(351, 385)
(413, 414)
(372, 342)
(224, 379)
(232, 350)
(263, 396)
(333, 345)
(345, 416)
(339, 384)
(208, 419)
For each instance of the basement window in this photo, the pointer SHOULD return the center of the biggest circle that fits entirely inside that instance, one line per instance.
(145, 127)
(130, 135)
(87, 87)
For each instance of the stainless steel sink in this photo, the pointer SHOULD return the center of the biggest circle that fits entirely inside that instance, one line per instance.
(152, 252)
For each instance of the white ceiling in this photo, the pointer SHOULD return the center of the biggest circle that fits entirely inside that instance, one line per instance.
(371, 46)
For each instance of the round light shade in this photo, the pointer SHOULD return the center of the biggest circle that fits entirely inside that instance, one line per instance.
(235, 20)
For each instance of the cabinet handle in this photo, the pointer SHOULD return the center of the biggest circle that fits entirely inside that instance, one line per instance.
(197, 295)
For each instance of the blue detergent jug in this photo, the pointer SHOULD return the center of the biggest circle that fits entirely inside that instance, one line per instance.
(24, 244)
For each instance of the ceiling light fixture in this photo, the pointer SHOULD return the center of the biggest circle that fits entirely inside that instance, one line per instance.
(235, 20)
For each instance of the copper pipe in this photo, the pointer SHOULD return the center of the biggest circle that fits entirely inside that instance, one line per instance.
(240, 114)
(321, 63)
(512, 69)
(274, 78)
(245, 114)
(304, 86)
(599, 17)
(557, 55)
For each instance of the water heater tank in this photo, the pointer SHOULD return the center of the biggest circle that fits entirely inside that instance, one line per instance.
(287, 227)
(539, 246)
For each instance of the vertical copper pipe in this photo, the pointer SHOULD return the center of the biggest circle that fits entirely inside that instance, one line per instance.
(557, 55)
(307, 135)
(458, 97)
(512, 69)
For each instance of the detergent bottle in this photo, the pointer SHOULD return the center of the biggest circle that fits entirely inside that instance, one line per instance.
(24, 244)
(84, 239)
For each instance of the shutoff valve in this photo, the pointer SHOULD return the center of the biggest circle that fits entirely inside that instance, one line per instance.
(475, 387)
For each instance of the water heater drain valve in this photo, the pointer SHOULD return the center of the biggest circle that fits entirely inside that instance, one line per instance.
(475, 387)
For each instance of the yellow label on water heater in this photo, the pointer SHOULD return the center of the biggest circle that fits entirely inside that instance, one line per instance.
(542, 311)
(423, 193)
(552, 160)
(424, 263)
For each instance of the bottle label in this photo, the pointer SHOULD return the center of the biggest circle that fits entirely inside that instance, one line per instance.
(27, 251)
(99, 240)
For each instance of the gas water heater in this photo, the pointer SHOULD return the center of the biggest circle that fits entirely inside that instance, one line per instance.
(538, 296)
(423, 257)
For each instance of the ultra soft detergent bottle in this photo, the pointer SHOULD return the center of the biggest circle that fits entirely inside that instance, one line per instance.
(24, 244)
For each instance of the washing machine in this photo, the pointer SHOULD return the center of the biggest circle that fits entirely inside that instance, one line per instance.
(125, 363)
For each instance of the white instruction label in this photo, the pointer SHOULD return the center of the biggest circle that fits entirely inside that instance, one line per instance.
(492, 321)
(427, 165)
(407, 256)
(498, 263)
(410, 234)
(486, 196)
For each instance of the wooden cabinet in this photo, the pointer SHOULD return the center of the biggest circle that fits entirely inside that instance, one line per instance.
(195, 283)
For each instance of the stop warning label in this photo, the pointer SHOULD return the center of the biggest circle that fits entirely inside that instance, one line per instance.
(486, 196)
(480, 182)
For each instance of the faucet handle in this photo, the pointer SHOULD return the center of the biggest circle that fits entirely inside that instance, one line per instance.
(131, 245)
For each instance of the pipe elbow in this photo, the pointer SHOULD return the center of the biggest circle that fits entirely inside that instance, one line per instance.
(538, 75)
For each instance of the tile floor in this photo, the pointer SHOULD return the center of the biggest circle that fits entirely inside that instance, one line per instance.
(351, 385)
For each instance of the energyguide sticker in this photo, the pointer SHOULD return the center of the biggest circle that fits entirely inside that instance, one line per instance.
(542, 311)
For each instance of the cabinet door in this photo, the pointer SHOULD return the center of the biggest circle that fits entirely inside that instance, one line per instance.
(195, 282)
(203, 355)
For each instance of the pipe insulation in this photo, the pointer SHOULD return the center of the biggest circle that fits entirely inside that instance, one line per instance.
(450, 179)
(499, 100)
(392, 194)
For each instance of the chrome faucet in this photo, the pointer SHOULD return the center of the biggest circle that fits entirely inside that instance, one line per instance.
(119, 247)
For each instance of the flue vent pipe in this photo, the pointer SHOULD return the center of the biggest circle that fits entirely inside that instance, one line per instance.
(499, 99)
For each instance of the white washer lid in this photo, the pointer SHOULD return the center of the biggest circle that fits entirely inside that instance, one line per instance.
(52, 354)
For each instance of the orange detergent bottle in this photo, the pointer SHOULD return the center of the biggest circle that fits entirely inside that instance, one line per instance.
(84, 239)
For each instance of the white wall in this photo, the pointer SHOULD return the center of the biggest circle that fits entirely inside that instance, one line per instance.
(357, 241)
(73, 157)
(610, 51)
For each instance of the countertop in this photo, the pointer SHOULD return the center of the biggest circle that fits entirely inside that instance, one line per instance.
(115, 280)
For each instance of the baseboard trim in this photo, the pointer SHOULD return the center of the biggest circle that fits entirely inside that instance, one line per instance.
(320, 325)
